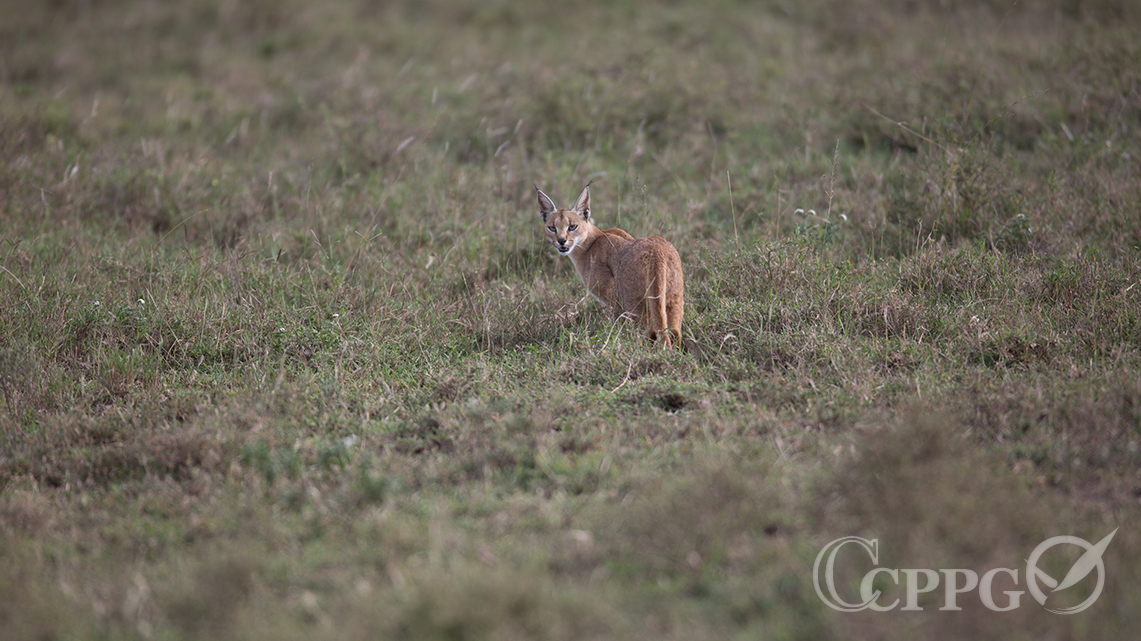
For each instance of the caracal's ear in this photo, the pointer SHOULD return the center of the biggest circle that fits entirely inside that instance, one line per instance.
(582, 205)
(546, 207)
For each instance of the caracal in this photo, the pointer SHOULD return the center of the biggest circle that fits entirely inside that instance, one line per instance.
(637, 277)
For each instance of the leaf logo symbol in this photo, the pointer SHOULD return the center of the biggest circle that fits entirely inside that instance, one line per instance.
(1086, 564)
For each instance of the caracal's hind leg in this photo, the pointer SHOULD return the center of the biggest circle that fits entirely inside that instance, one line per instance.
(660, 336)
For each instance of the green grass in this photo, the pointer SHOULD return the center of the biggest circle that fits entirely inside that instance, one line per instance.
(284, 354)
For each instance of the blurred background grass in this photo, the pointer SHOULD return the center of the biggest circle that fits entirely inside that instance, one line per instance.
(284, 355)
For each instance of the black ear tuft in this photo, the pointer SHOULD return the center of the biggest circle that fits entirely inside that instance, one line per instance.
(582, 205)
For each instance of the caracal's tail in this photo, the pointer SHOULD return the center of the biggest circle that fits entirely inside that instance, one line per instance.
(659, 328)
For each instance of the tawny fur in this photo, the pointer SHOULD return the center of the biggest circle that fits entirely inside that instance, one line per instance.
(640, 278)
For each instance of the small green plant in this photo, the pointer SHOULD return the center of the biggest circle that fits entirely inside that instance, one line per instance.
(258, 455)
(373, 486)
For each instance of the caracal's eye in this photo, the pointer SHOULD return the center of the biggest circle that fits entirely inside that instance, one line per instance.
(551, 229)
(572, 227)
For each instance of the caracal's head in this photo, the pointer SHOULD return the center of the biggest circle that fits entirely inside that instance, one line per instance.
(566, 228)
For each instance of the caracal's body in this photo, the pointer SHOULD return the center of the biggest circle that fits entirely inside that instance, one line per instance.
(637, 277)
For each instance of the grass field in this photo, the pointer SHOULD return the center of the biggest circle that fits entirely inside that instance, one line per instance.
(284, 354)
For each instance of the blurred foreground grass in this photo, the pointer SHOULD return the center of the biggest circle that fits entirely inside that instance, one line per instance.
(283, 353)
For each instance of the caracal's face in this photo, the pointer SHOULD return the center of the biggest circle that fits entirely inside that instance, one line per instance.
(566, 231)
(566, 228)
